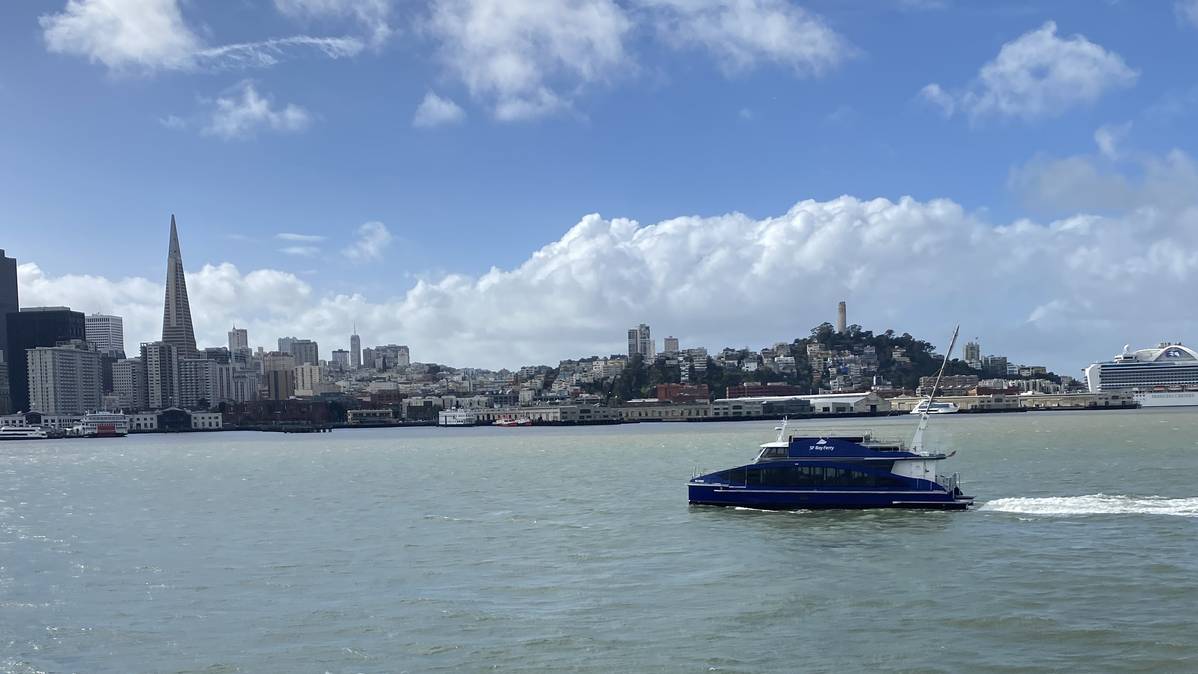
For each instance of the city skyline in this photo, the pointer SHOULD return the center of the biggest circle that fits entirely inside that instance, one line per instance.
(1047, 150)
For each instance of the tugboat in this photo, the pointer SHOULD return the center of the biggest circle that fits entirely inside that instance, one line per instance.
(840, 469)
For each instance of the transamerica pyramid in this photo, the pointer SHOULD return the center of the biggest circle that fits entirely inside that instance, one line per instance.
(176, 312)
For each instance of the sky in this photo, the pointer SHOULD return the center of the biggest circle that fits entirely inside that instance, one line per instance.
(506, 182)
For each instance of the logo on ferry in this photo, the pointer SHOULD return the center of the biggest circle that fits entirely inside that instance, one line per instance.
(820, 445)
(822, 442)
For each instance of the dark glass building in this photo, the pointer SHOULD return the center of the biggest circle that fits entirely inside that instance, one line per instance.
(29, 329)
(8, 298)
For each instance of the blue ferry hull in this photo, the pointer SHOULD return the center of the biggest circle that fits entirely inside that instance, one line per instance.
(784, 499)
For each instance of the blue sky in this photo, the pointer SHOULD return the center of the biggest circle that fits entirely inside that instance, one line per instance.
(473, 133)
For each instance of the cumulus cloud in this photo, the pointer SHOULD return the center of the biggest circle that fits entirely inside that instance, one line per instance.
(1037, 75)
(1058, 292)
(435, 111)
(242, 112)
(152, 35)
(526, 57)
(741, 34)
(370, 241)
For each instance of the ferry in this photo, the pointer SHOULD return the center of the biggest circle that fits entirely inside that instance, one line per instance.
(513, 423)
(22, 433)
(102, 425)
(1163, 376)
(840, 469)
(936, 408)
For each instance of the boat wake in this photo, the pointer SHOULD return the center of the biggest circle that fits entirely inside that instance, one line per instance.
(1096, 504)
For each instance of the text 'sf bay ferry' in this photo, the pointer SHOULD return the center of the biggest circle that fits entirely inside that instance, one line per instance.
(837, 470)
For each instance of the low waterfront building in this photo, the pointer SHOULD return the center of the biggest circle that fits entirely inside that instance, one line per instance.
(658, 410)
(370, 417)
(143, 422)
(554, 414)
(994, 402)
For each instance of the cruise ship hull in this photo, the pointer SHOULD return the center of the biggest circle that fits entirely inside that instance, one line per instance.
(785, 499)
(1167, 398)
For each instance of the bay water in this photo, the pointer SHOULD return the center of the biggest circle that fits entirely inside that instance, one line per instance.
(574, 550)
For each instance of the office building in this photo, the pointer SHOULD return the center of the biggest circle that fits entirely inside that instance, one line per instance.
(106, 333)
(640, 342)
(176, 311)
(239, 340)
(5, 403)
(64, 379)
(306, 352)
(286, 344)
(31, 328)
(162, 374)
(9, 303)
(129, 384)
(355, 349)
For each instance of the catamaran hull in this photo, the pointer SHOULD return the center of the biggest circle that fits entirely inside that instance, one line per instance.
(779, 499)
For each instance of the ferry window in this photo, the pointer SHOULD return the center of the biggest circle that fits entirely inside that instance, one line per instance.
(754, 477)
(736, 476)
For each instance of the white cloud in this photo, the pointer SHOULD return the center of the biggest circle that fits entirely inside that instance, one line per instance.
(435, 111)
(1061, 292)
(527, 58)
(242, 111)
(741, 34)
(372, 238)
(1038, 75)
(305, 238)
(152, 35)
(1187, 11)
(302, 251)
(1165, 183)
(1109, 137)
(374, 15)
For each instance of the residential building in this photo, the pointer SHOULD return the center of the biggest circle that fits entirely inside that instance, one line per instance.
(973, 354)
(950, 384)
(641, 342)
(308, 380)
(306, 352)
(200, 382)
(176, 311)
(64, 379)
(239, 340)
(161, 361)
(129, 384)
(680, 393)
(106, 333)
(30, 328)
(670, 346)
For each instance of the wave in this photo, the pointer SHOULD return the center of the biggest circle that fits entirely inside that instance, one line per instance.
(1096, 504)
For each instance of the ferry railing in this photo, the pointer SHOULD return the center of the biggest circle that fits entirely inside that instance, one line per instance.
(870, 437)
(949, 482)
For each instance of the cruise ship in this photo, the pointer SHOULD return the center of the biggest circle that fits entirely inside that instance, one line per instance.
(1163, 376)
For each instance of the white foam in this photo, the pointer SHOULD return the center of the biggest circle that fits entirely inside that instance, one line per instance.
(1096, 504)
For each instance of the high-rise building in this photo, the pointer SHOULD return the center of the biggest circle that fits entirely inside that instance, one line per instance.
(341, 358)
(28, 329)
(162, 374)
(973, 354)
(308, 379)
(640, 342)
(355, 349)
(239, 339)
(287, 344)
(5, 403)
(64, 379)
(279, 371)
(671, 345)
(306, 352)
(176, 311)
(197, 382)
(842, 318)
(129, 384)
(107, 333)
(9, 303)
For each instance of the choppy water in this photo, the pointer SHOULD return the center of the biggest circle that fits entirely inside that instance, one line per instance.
(574, 550)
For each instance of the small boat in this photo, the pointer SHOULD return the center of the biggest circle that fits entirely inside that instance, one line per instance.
(840, 469)
(513, 423)
(22, 433)
(936, 408)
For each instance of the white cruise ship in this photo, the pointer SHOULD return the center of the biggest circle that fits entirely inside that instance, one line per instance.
(1163, 376)
(22, 433)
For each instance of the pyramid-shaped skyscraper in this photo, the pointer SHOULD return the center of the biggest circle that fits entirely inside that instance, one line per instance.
(176, 312)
